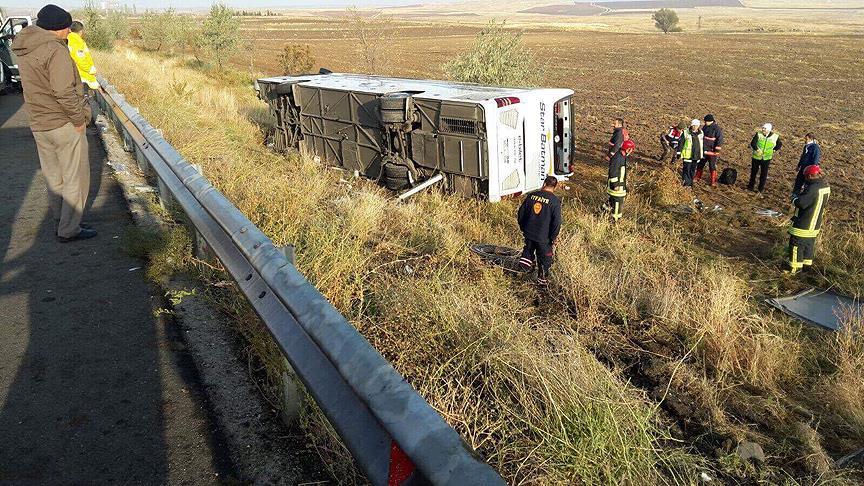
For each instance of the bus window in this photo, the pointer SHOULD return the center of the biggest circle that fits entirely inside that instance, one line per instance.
(563, 136)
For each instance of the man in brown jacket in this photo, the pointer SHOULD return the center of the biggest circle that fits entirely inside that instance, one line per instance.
(58, 117)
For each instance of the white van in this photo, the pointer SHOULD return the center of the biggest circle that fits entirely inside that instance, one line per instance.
(479, 141)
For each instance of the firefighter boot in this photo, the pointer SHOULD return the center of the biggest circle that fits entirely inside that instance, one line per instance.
(698, 175)
(713, 178)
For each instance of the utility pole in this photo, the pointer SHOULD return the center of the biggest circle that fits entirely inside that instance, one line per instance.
(700, 23)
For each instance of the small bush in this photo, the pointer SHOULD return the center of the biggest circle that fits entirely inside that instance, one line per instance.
(497, 57)
(296, 59)
(666, 20)
(164, 31)
(371, 33)
(102, 30)
(220, 35)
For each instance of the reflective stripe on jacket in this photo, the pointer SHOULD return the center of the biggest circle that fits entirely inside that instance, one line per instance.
(809, 209)
(617, 181)
(81, 55)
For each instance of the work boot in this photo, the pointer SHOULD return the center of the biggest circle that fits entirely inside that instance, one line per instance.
(84, 234)
(698, 175)
(713, 178)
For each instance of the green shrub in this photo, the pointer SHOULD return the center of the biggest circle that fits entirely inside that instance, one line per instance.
(497, 57)
(666, 20)
(220, 35)
(102, 29)
(296, 59)
(164, 31)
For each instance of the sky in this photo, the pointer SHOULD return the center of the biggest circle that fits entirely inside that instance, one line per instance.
(240, 4)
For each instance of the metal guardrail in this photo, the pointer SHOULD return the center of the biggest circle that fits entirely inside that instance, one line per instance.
(394, 435)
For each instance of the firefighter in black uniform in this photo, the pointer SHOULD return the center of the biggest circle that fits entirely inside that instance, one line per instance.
(616, 186)
(807, 221)
(540, 221)
(619, 135)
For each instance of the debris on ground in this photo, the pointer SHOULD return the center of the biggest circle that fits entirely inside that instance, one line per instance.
(118, 167)
(501, 256)
(750, 451)
(768, 212)
(822, 308)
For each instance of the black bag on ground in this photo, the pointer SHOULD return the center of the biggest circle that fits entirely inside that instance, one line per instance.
(728, 176)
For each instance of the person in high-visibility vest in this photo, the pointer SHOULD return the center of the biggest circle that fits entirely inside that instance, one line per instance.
(84, 62)
(765, 144)
(808, 218)
(616, 185)
(692, 143)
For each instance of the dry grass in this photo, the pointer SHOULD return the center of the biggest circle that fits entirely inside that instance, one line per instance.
(522, 383)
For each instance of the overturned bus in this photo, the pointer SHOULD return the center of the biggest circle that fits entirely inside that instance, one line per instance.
(474, 140)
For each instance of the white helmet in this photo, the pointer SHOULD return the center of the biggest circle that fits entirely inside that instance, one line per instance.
(768, 127)
(695, 123)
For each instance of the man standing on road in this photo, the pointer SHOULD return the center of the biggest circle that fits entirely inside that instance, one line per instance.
(764, 144)
(540, 221)
(58, 117)
(83, 60)
(713, 137)
(671, 139)
(807, 221)
(810, 156)
(616, 186)
(691, 152)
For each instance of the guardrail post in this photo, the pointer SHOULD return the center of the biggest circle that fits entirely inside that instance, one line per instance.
(292, 398)
(165, 198)
(290, 254)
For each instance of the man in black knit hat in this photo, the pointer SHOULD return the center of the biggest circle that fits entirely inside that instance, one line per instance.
(58, 116)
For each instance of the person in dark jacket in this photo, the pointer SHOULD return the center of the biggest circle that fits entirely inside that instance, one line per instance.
(671, 140)
(691, 152)
(616, 185)
(713, 138)
(811, 155)
(764, 144)
(808, 218)
(619, 134)
(540, 221)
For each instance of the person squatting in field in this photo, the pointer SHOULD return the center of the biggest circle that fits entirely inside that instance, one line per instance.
(808, 218)
(540, 221)
(764, 144)
(713, 142)
(692, 143)
(671, 140)
(616, 182)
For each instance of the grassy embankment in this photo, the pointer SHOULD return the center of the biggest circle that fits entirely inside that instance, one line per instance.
(652, 364)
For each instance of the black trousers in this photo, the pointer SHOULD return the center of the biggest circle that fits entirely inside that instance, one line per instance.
(617, 205)
(712, 163)
(758, 167)
(688, 171)
(540, 252)
(801, 252)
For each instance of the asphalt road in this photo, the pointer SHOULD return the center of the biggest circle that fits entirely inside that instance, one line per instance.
(93, 387)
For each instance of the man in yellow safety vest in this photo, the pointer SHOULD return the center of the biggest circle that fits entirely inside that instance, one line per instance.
(765, 144)
(83, 60)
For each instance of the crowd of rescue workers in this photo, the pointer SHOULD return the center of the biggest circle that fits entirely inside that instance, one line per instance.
(696, 147)
(57, 75)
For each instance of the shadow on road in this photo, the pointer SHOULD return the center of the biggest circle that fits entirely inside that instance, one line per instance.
(84, 397)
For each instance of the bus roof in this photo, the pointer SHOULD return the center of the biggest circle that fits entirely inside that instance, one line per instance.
(421, 88)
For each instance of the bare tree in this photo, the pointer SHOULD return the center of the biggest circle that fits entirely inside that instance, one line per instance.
(371, 31)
